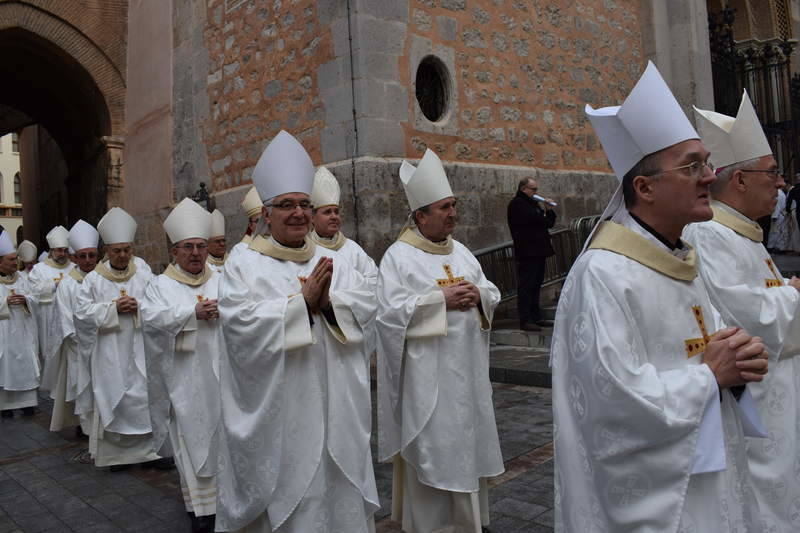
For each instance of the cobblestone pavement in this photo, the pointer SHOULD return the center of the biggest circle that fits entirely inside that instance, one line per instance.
(45, 485)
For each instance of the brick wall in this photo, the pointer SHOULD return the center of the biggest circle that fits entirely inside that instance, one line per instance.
(523, 72)
(262, 60)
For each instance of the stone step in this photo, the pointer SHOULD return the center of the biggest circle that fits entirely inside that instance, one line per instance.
(518, 365)
(525, 339)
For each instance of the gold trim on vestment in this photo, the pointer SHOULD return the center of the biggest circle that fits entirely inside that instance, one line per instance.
(247, 239)
(334, 243)
(272, 248)
(9, 280)
(621, 240)
(77, 274)
(216, 261)
(49, 262)
(187, 278)
(410, 235)
(745, 228)
(117, 276)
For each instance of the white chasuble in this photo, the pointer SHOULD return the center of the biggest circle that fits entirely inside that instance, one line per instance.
(296, 423)
(44, 279)
(747, 289)
(434, 395)
(112, 344)
(645, 440)
(73, 379)
(183, 356)
(19, 342)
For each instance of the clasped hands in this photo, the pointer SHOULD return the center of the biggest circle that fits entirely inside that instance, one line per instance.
(206, 310)
(735, 357)
(127, 304)
(461, 296)
(317, 284)
(16, 299)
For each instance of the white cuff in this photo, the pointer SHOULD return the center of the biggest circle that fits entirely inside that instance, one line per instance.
(709, 450)
(429, 318)
(111, 320)
(296, 326)
(752, 426)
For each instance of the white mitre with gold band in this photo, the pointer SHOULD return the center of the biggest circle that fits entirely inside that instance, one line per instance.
(217, 224)
(426, 183)
(732, 140)
(188, 221)
(6, 244)
(251, 204)
(58, 237)
(117, 226)
(648, 121)
(326, 189)
(284, 167)
(27, 251)
(82, 235)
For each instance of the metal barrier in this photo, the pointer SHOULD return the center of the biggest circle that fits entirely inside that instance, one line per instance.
(500, 267)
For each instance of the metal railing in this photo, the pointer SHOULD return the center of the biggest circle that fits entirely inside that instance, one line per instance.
(500, 267)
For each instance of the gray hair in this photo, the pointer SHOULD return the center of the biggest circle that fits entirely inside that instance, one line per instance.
(424, 209)
(726, 173)
(646, 166)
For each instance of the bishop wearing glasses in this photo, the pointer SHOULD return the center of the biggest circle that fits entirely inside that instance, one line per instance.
(747, 289)
(72, 393)
(294, 446)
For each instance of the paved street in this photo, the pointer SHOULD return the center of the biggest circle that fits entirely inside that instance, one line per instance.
(46, 487)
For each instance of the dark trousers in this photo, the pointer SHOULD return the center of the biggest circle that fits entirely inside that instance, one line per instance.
(530, 275)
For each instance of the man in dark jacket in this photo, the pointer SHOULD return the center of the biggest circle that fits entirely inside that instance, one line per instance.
(529, 223)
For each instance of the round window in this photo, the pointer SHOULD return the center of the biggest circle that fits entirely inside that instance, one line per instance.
(433, 84)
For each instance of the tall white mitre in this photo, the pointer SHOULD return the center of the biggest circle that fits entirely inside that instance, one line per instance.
(732, 140)
(27, 251)
(6, 244)
(648, 121)
(83, 235)
(426, 183)
(326, 189)
(187, 221)
(251, 204)
(284, 167)
(117, 226)
(58, 237)
(217, 224)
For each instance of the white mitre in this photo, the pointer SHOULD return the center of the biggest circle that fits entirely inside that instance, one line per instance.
(82, 235)
(426, 183)
(58, 237)
(648, 121)
(284, 167)
(188, 221)
(326, 189)
(117, 226)
(43, 256)
(6, 244)
(217, 224)
(251, 204)
(27, 251)
(732, 140)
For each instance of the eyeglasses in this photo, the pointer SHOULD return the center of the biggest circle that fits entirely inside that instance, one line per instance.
(189, 247)
(288, 205)
(695, 169)
(774, 173)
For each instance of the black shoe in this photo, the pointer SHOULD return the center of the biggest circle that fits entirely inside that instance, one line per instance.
(28, 411)
(7, 413)
(202, 524)
(486, 530)
(544, 323)
(530, 326)
(165, 463)
(79, 434)
(119, 468)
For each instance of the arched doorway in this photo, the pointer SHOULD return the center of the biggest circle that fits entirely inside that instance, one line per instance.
(66, 96)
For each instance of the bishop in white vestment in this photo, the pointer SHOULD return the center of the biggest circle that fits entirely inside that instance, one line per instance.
(747, 289)
(44, 279)
(436, 417)
(648, 433)
(109, 336)
(217, 248)
(294, 446)
(26, 252)
(72, 393)
(19, 341)
(182, 340)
